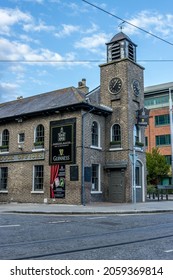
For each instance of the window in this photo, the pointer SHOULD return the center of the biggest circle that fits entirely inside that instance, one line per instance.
(3, 178)
(38, 177)
(39, 136)
(131, 52)
(157, 101)
(168, 159)
(162, 120)
(95, 134)
(116, 133)
(21, 137)
(5, 141)
(95, 178)
(114, 52)
(163, 140)
(146, 141)
(136, 134)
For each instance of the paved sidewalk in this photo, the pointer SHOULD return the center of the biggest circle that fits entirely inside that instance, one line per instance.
(94, 208)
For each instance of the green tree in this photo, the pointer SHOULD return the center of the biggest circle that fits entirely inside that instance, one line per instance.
(157, 166)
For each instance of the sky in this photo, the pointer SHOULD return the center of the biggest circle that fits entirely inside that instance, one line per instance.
(47, 45)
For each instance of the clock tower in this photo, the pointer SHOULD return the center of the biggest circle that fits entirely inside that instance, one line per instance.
(122, 89)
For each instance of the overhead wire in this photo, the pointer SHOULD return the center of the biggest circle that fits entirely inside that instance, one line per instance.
(96, 60)
(123, 20)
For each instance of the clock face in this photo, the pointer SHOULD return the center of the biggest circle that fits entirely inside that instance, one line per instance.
(115, 85)
(136, 87)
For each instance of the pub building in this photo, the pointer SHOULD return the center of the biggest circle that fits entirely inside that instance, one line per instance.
(75, 146)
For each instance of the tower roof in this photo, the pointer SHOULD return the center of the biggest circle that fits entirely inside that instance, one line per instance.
(119, 37)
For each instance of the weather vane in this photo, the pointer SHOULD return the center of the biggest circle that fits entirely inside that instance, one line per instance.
(121, 25)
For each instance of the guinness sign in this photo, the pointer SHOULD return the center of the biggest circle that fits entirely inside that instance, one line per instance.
(62, 141)
(143, 117)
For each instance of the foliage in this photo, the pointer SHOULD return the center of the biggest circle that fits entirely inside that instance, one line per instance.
(157, 166)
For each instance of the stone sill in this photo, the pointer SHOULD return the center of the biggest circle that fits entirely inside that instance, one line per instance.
(96, 148)
(37, 192)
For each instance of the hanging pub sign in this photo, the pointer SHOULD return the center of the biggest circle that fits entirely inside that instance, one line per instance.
(62, 141)
(143, 117)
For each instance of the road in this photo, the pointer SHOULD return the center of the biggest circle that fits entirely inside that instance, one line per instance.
(92, 237)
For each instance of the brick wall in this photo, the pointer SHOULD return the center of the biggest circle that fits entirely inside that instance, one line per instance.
(152, 131)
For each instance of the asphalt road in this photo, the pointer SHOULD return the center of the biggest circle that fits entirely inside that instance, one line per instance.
(92, 237)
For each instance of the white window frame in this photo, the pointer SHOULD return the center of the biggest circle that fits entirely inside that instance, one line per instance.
(33, 181)
(20, 142)
(98, 147)
(6, 189)
(99, 179)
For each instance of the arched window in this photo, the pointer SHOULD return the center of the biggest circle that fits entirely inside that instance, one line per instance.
(5, 140)
(95, 134)
(39, 136)
(116, 134)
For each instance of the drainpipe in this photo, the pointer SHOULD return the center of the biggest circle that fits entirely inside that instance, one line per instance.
(83, 154)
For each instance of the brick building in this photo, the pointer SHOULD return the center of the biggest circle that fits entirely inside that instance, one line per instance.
(74, 146)
(158, 132)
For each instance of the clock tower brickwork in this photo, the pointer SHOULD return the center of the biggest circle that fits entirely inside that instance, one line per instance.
(124, 103)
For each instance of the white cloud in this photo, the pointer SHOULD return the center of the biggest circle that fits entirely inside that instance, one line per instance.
(153, 22)
(41, 26)
(17, 52)
(8, 91)
(66, 30)
(93, 42)
(9, 17)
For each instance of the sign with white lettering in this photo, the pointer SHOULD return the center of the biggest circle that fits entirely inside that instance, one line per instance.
(22, 157)
(143, 117)
(62, 141)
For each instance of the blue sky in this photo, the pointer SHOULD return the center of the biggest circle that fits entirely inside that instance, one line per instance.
(51, 44)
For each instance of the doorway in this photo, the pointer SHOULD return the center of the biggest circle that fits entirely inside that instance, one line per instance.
(116, 186)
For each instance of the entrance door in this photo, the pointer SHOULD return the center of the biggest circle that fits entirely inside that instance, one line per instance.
(138, 181)
(116, 186)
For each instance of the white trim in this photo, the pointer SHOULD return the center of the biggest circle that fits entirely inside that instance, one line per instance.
(38, 150)
(120, 132)
(20, 142)
(37, 192)
(115, 149)
(99, 138)
(96, 147)
(3, 191)
(99, 179)
(96, 192)
(7, 152)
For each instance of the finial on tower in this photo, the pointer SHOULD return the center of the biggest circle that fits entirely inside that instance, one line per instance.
(120, 26)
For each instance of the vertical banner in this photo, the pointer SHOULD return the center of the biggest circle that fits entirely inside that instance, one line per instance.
(57, 184)
(63, 142)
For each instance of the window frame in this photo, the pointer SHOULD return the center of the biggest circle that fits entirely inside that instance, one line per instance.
(96, 179)
(4, 148)
(35, 172)
(165, 121)
(95, 135)
(118, 135)
(39, 137)
(165, 137)
(98, 146)
(19, 135)
(4, 178)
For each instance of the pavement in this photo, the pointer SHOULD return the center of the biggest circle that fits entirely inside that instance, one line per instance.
(150, 206)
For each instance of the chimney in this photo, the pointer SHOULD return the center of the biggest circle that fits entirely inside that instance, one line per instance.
(82, 86)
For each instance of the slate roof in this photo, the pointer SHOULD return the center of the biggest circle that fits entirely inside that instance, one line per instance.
(46, 102)
(119, 37)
